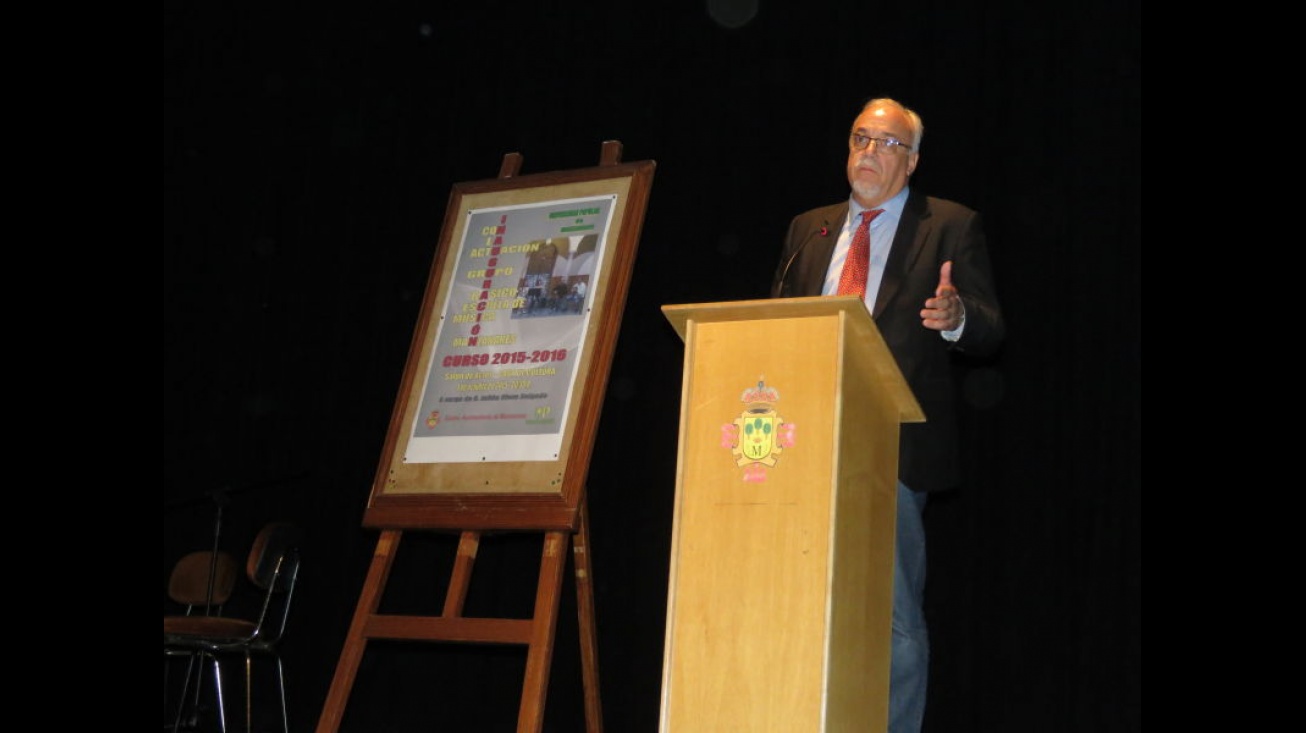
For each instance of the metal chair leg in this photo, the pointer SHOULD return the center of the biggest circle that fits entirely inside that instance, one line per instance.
(182, 708)
(222, 703)
(249, 695)
(281, 684)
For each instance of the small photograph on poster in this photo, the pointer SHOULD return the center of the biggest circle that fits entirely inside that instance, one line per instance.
(511, 332)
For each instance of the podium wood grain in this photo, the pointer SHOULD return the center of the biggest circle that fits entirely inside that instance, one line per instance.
(780, 591)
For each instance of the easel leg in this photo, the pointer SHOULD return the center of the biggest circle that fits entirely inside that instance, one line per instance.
(530, 717)
(468, 545)
(589, 652)
(352, 655)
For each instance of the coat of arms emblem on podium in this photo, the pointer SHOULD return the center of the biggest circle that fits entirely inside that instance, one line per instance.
(759, 435)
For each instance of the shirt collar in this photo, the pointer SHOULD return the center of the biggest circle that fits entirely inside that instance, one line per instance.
(892, 208)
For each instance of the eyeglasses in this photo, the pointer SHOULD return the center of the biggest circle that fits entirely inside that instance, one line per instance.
(891, 145)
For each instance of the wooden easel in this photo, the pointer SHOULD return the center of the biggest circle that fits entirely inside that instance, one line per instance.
(536, 632)
(434, 499)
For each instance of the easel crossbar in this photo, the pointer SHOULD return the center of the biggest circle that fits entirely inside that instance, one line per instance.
(428, 628)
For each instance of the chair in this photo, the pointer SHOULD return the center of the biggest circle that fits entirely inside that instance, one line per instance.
(272, 567)
(189, 586)
(200, 582)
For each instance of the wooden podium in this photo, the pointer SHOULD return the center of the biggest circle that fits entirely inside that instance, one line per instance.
(781, 579)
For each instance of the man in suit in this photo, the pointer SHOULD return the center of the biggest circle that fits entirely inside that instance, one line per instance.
(929, 287)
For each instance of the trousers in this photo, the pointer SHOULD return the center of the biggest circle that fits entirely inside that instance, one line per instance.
(909, 660)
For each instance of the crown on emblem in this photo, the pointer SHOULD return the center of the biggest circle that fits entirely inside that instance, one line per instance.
(760, 398)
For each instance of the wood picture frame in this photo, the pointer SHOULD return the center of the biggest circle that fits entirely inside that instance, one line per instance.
(494, 423)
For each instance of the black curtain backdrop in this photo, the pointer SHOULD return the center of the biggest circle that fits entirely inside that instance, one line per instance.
(309, 155)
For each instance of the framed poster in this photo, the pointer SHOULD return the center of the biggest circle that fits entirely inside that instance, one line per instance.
(494, 422)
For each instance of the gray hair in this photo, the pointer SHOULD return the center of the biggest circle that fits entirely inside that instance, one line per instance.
(913, 119)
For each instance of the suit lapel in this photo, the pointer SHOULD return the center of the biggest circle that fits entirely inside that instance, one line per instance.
(818, 246)
(827, 236)
(913, 227)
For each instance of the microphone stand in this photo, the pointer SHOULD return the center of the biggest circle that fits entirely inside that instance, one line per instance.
(220, 500)
(221, 496)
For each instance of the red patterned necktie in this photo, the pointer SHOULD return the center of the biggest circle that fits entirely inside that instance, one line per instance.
(852, 281)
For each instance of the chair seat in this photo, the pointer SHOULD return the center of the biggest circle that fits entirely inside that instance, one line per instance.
(210, 627)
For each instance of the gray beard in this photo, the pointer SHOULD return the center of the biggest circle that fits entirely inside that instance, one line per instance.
(867, 191)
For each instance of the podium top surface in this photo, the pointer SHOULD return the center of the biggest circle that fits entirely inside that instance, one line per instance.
(751, 310)
(861, 327)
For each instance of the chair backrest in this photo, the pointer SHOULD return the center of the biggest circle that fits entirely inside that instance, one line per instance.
(189, 586)
(273, 567)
